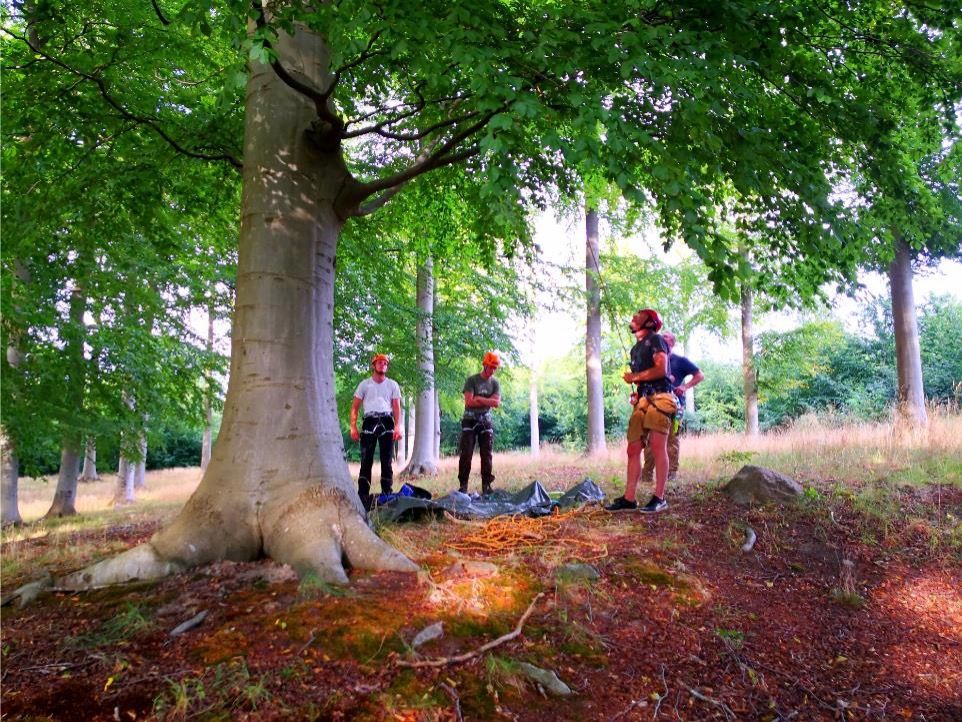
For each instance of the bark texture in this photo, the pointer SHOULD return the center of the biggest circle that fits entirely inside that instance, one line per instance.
(534, 429)
(908, 357)
(10, 480)
(208, 412)
(124, 490)
(89, 472)
(277, 484)
(749, 378)
(596, 396)
(423, 461)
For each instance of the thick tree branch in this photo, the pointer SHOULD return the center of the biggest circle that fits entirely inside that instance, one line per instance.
(444, 155)
(160, 14)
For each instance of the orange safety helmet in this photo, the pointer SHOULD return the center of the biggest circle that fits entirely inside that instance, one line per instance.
(491, 360)
(648, 318)
(379, 357)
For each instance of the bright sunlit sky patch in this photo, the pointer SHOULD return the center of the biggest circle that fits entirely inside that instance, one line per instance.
(555, 332)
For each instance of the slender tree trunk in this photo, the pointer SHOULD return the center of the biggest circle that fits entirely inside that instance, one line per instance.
(89, 472)
(422, 460)
(908, 357)
(10, 479)
(596, 393)
(749, 378)
(140, 468)
(208, 414)
(437, 424)
(277, 484)
(65, 496)
(534, 428)
(124, 491)
(402, 447)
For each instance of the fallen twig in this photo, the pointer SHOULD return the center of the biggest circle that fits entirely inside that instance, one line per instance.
(442, 661)
(455, 699)
(721, 705)
(750, 539)
(189, 624)
(308, 643)
(664, 695)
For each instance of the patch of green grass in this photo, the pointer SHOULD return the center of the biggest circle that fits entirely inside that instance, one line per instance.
(313, 587)
(735, 457)
(125, 625)
(853, 600)
(220, 693)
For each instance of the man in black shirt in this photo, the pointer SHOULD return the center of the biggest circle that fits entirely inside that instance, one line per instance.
(482, 392)
(654, 408)
(681, 368)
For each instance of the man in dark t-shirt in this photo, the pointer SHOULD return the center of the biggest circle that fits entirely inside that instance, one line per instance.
(680, 369)
(482, 392)
(654, 408)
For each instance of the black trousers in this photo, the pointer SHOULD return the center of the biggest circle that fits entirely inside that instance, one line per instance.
(376, 431)
(482, 431)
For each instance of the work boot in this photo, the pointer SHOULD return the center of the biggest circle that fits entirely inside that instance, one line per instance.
(463, 488)
(486, 489)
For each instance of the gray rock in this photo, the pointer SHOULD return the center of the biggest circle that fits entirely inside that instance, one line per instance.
(547, 679)
(432, 631)
(758, 485)
(577, 570)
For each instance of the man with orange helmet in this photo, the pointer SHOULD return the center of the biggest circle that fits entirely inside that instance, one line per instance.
(482, 392)
(654, 407)
(381, 397)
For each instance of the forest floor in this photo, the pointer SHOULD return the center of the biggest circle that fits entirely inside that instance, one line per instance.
(848, 606)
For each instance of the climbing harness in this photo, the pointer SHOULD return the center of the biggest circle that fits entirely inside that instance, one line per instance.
(379, 429)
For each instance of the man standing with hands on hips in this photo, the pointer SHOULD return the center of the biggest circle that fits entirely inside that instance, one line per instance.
(381, 397)
(482, 392)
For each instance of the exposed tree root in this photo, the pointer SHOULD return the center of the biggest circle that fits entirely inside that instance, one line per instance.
(319, 533)
(442, 661)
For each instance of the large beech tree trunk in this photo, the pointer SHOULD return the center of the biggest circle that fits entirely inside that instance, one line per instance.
(749, 378)
(277, 484)
(596, 394)
(908, 357)
(423, 460)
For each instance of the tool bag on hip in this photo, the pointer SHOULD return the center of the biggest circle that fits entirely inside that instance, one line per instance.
(665, 403)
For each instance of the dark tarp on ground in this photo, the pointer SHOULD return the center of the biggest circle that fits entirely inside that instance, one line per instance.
(531, 501)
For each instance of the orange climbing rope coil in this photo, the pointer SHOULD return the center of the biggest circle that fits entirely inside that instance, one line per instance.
(513, 533)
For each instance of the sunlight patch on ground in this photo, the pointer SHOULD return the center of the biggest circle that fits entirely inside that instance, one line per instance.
(930, 611)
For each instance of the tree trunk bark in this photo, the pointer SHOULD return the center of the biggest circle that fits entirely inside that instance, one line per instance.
(277, 484)
(908, 358)
(208, 414)
(10, 479)
(596, 394)
(422, 461)
(140, 468)
(749, 379)
(124, 491)
(437, 424)
(89, 472)
(534, 428)
(65, 497)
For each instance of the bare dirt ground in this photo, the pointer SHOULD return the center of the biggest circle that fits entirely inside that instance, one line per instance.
(833, 615)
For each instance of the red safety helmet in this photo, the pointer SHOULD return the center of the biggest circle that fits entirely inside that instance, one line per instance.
(379, 357)
(648, 318)
(491, 360)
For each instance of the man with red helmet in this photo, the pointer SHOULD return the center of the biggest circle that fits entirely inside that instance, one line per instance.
(654, 407)
(381, 397)
(482, 392)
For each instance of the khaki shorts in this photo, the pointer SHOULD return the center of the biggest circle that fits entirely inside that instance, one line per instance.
(652, 413)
